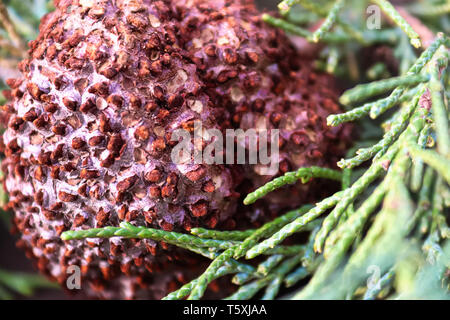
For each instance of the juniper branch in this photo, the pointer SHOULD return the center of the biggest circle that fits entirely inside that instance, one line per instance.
(337, 254)
(127, 230)
(423, 9)
(383, 282)
(424, 202)
(268, 229)
(309, 254)
(229, 266)
(332, 60)
(440, 114)
(431, 245)
(265, 267)
(241, 278)
(222, 235)
(287, 26)
(303, 174)
(398, 193)
(364, 91)
(198, 288)
(294, 277)
(286, 5)
(332, 38)
(274, 286)
(248, 291)
(329, 21)
(433, 159)
(425, 57)
(294, 226)
(397, 128)
(346, 183)
(389, 10)
(287, 250)
(347, 232)
(350, 194)
(418, 166)
(24, 283)
(380, 106)
(377, 71)
(186, 289)
(206, 278)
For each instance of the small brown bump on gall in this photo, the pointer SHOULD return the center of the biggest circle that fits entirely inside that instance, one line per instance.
(59, 129)
(126, 184)
(30, 115)
(230, 56)
(208, 187)
(89, 106)
(39, 174)
(153, 176)
(41, 121)
(158, 144)
(15, 123)
(115, 144)
(199, 209)
(104, 125)
(57, 153)
(67, 197)
(97, 140)
(35, 91)
(70, 104)
(51, 107)
(154, 191)
(102, 217)
(197, 174)
(89, 174)
(115, 100)
(142, 133)
(210, 50)
(54, 173)
(78, 143)
(44, 158)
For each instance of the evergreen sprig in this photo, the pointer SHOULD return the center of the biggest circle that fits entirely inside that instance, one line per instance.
(383, 208)
(364, 91)
(303, 174)
(389, 10)
(329, 21)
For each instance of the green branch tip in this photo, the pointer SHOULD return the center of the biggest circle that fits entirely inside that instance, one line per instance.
(127, 230)
(304, 174)
(365, 91)
(433, 159)
(328, 22)
(392, 13)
